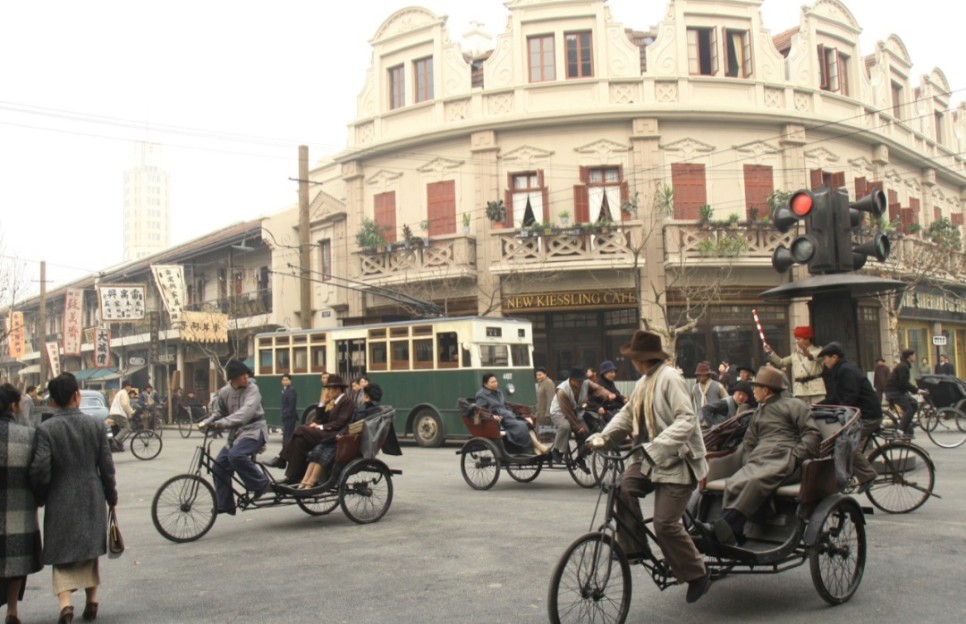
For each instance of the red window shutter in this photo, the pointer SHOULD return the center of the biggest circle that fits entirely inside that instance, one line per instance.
(937, 213)
(861, 188)
(837, 180)
(385, 215)
(759, 185)
(625, 197)
(816, 178)
(956, 218)
(690, 191)
(914, 209)
(545, 194)
(584, 175)
(441, 207)
(508, 209)
(581, 204)
(894, 206)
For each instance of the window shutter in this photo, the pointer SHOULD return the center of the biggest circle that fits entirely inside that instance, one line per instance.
(759, 185)
(441, 207)
(508, 207)
(894, 206)
(815, 178)
(384, 210)
(861, 188)
(625, 197)
(837, 180)
(545, 195)
(581, 204)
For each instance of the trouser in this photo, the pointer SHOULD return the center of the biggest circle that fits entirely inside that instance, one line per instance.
(303, 440)
(237, 458)
(124, 426)
(861, 468)
(288, 427)
(908, 406)
(562, 439)
(670, 501)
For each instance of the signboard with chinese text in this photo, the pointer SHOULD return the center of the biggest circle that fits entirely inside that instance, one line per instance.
(170, 281)
(102, 347)
(17, 336)
(205, 327)
(73, 315)
(53, 356)
(121, 302)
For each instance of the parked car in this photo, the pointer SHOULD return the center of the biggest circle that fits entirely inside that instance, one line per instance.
(93, 404)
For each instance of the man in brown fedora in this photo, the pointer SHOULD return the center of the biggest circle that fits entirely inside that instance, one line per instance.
(706, 390)
(337, 411)
(782, 434)
(660, 414)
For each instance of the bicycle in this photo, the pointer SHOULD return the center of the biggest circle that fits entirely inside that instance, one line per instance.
(945, 426)
(144, 443)
(906, 474)
(187, 417)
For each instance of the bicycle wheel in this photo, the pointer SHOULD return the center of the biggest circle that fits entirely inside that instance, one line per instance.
(184, 508)
(578, 467)
(948, 428)
(319, 505)
(185, 425)
(906, 477)
(157, 425)
(524, 473)
(365, 492)
(837, 559)
(591, 583)
(479, 464)
(145, 444)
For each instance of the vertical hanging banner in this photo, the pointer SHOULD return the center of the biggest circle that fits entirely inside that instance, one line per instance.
(121, 302)
(53, 356)
(170, 281)
(16, 336)
(73, 315)
(102, 347)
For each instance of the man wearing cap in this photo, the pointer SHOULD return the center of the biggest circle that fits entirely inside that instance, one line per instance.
(846, 385)
(238, 408)
(898, 387)
(660, 415)
(571, 393)
(782, 434)
(717, 412)
(705, 390)
(606, 374)
(805, 366)
(335, 414)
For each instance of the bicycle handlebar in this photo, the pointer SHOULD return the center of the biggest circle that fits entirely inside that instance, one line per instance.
(623, 456)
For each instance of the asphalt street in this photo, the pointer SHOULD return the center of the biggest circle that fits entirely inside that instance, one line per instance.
(447, 553)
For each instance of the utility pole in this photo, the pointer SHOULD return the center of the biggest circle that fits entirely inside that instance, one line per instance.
(305, 256)
(42, 322)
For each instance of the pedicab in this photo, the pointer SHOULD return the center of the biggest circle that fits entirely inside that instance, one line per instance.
(184, 508)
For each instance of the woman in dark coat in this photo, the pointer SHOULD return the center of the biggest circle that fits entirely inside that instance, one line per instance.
(490, 398)
(73, 471)
(20, 548)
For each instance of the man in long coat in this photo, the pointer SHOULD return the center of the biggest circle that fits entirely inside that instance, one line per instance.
(805, 366)
(782, 435)
(660, 414)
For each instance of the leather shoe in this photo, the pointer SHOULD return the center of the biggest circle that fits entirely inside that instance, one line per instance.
(724, 533)
(699, 587)
(556, 456)
(287, 481)
(275, 462)
(865, 486)
(90, 611)
(261, 492)
(66, 615)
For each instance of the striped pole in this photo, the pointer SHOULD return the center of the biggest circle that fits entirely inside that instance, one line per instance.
(761, 333)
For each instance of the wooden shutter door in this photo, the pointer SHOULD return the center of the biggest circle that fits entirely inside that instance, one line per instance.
(759, 186)
(385, 215)
(441, 207)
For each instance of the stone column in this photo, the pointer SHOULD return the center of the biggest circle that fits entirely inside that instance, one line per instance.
(484, 150)
(647, 157)
(355, 207)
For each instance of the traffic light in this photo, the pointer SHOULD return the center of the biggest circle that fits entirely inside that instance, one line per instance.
(827, 247)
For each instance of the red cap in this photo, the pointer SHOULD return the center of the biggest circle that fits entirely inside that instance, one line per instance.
(804, 331)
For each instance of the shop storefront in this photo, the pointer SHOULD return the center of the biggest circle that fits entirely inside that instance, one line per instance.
(928, 316)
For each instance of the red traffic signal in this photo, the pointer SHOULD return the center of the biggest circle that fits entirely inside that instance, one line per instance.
(799, 206)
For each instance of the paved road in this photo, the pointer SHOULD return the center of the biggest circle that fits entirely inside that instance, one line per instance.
(445, 553)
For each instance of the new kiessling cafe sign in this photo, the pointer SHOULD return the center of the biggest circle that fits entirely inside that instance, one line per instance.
(570, 300)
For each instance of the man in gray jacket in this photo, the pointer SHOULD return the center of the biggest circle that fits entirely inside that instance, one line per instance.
(238, 408)
(660, 414)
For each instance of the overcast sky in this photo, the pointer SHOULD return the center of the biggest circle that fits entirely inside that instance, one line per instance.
(231, 88)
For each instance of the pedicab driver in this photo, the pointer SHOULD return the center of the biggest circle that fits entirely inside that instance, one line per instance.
(660, 414)
(238, 407)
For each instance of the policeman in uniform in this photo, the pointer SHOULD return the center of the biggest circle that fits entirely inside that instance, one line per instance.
(805, 366)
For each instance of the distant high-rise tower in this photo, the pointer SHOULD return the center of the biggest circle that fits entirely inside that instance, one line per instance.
(147, 209)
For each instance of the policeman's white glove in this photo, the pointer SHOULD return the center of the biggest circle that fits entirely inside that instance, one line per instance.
(595, 442)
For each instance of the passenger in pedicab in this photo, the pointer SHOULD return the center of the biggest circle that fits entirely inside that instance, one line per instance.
(328, 422)
(322, 457)
(717, 412)
(782, 434)
(606, 375)
(516, 429)
(572, 392)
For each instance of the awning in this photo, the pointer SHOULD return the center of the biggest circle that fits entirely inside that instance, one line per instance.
(32, 369)
(102, 374)
(110, 374)
(85, 373)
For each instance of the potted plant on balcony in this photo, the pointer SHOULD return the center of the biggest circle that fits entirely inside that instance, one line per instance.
(466, 223)
(733, 220)
(410, 240)
(496, 212)
(705, 214)
(369, 237)
(629, 207)
(564, 217)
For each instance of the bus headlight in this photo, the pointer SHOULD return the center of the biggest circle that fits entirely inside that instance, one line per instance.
(510, 388)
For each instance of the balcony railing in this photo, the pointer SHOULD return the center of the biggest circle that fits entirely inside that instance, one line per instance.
(452, 256)
(913, 256)
(536, 250)
(741, 244)
(238, 306)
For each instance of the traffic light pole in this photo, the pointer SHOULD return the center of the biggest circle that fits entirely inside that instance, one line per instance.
(834, 316)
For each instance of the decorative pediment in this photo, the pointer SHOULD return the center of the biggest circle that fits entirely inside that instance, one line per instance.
(438, 165)
(836, 12)
(913, 185)
(405, 20)
(757, 149)
(526, 153)
(603, 146)
(821, 156)
(688, 146)
(895, 46)
(383, 176)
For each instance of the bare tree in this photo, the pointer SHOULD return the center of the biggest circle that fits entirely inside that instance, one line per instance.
(13, 283)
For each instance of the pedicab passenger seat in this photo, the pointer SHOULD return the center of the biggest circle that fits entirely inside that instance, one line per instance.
(368, 436)
(478, 421)
(818, 478)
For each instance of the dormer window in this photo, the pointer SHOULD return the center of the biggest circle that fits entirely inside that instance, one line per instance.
(702, 52)
(833, 70)
(580, 60)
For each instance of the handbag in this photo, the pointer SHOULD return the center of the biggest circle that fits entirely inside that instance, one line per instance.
(115, 541)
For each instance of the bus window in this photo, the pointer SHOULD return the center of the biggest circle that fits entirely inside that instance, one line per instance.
(318, 359)
(300, 357)
(282, 361)
(351, 356)
(265, 361)
(494, 355)
(423, 353)
(467, 358)
(400, 355)
(521, 355)
(378, 358)
(447, 350)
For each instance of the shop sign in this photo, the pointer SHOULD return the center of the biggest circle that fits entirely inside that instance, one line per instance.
(939, 341)
(570, 300)
(932, 304)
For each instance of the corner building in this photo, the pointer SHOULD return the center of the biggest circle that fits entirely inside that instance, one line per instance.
(580, 126)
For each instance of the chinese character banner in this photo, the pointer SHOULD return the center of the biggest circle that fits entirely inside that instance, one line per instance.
(102, 347)
(205, 327)
(121, 302)
(73, 315)
(53, 356)
(17, 336)
(170, 281)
